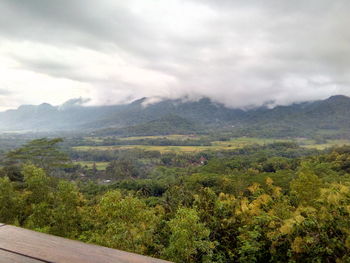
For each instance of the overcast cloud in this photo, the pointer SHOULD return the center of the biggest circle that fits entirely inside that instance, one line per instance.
(240, 53)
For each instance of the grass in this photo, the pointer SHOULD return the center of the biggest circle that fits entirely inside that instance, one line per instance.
(93, 139)
(169, 137)
(216, 145)
(162, 149)
(330, 143)
(244, 141)
(234, 143)
(178, 137)
(99, 165)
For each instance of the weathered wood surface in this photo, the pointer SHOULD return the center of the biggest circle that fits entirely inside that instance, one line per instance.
(9, 257)
(21, 245)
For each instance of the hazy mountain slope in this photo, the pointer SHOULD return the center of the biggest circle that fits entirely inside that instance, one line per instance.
(325, 117)
(329, 113)
(47, 117)
(203, 111)
(330, 116)
(169, 124)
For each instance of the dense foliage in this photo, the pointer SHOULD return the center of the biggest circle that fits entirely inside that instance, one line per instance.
(270, 203)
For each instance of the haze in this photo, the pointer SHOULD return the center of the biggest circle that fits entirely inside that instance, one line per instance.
(240, 53)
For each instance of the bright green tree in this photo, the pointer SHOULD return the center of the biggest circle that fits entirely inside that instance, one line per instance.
(67, 210)
(9, 201)
(189, 238)
(306, 187)
(125, 223)
(38, 197)
(38, 184)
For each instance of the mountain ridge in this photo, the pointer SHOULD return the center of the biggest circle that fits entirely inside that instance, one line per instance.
(331, 114)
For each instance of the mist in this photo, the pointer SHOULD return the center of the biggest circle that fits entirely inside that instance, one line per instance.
(238, 53)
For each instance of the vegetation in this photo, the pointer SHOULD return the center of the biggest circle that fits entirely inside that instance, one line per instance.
(93, 165)
(168, 124)
(257, 203)
(198, 145)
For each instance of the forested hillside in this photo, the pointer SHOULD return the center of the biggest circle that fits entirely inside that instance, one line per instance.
(326, 119)
(169, 124)
(47, 118)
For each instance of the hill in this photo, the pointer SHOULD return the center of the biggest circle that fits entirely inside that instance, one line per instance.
(46, 117)
(329, 118)
(324, 118)
(170, 124)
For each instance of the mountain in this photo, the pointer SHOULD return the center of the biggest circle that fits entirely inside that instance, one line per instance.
(203, 111)
(170, 124)
(330, 117)
(46, 117)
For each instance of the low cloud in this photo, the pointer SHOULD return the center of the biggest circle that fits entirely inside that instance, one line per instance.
(240, 53)
(74, 103)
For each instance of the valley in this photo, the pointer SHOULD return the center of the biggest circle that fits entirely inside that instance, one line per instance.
(175, 131)
(225, 145)
(319, 120)
(161, 170)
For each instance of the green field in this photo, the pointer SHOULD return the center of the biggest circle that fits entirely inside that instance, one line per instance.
(99, 165)
(243, 141)
(330, 143)
(169, 137)
(134, 138)
(161, 149)
(216, 145)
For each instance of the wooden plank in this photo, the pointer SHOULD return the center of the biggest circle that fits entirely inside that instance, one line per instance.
(60, 250)
(6, 257)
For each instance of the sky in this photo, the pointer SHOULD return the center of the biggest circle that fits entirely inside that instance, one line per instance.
(241, 53)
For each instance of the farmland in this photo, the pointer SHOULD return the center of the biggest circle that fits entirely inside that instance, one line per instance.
(89, 164)
(234, 143)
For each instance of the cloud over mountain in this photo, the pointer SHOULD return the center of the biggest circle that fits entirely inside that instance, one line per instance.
(240, 53)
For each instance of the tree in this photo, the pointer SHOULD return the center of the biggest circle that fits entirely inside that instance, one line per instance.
(51, 206)
(43, 153)
(306, 187)
(13, 172)
(123, 168)
(124, 223)
(66, 213)
(9, 202)
(38, 184)
(38, 198)
(189, 238)
(94, 168)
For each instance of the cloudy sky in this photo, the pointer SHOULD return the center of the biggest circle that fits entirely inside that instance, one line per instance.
(240, 53)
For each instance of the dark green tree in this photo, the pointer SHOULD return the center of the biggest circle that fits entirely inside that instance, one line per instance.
(44, 153)
(122, 169)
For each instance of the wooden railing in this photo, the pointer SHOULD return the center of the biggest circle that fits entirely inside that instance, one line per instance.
(26, 246)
